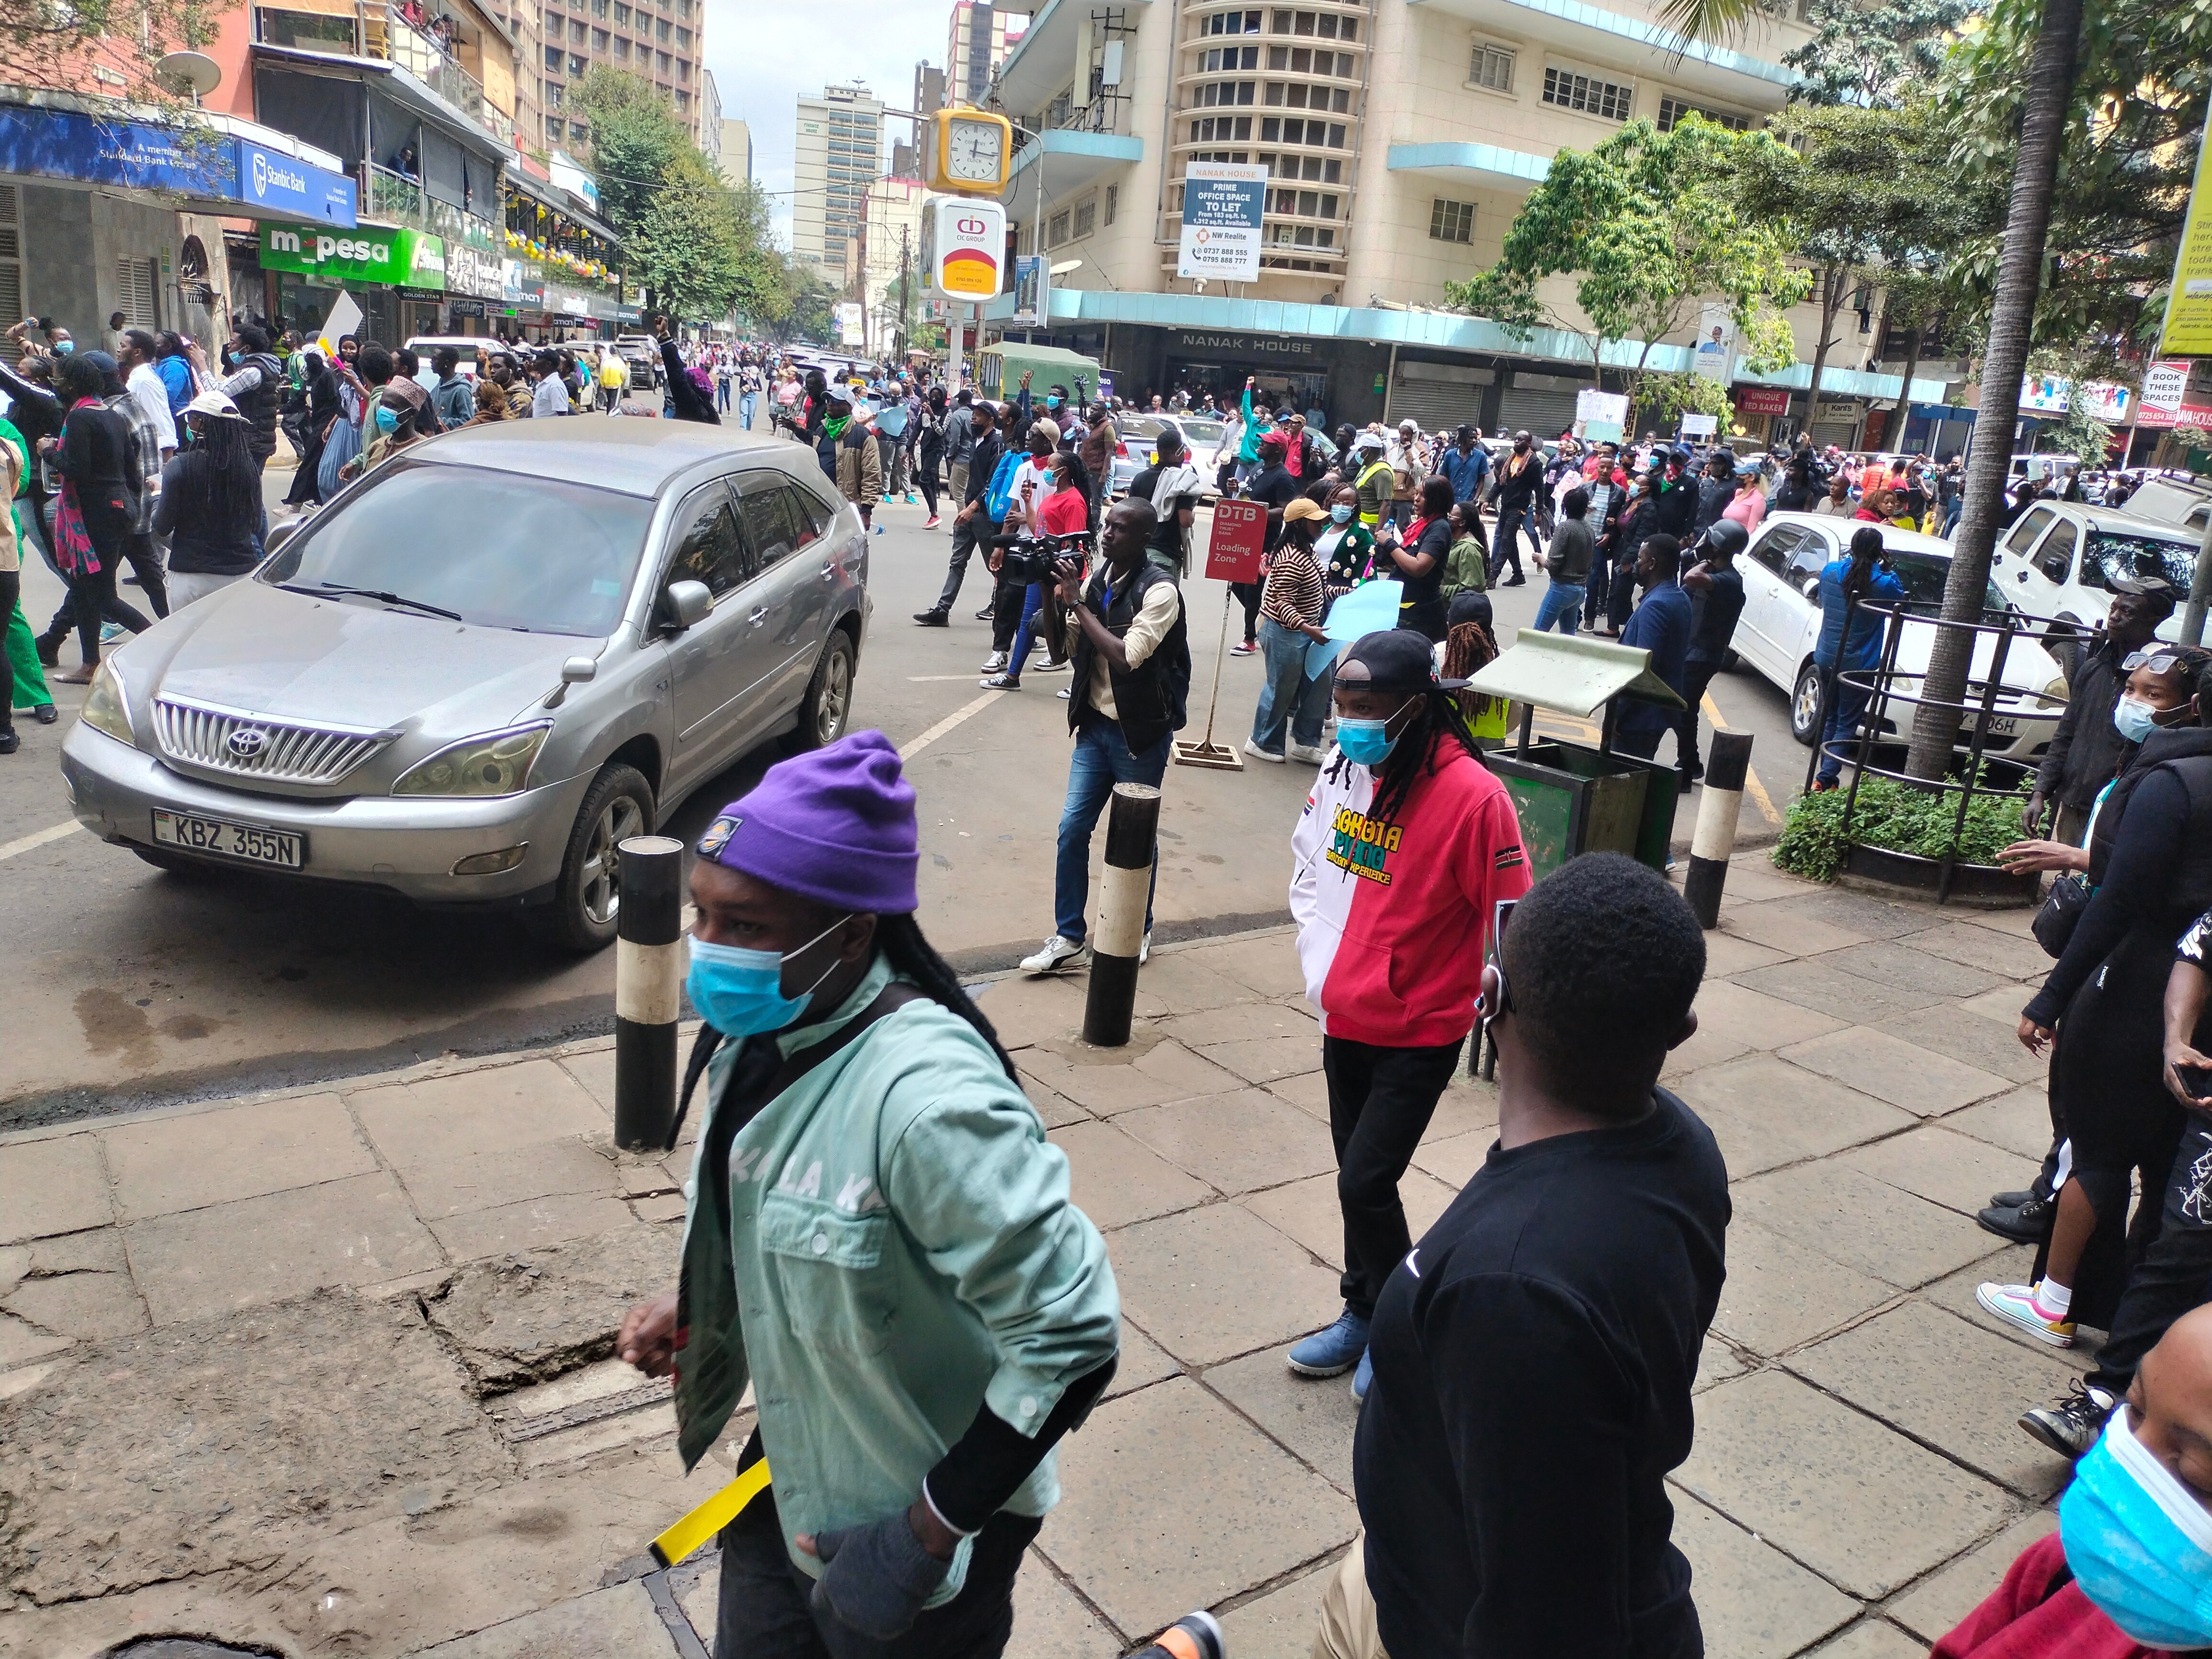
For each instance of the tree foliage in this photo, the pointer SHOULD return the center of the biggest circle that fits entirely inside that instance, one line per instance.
(1875, 56)
(47, 41)
(1649, 225)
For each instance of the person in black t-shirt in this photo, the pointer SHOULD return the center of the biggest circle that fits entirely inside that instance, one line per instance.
(1716, 589)
(1534, 1353)
(1173, 487)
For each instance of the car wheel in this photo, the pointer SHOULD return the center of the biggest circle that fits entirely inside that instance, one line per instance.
(587, 899)
(828, 701)
(1805, 706)
(2063, 641)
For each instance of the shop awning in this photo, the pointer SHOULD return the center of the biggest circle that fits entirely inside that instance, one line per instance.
(1571, 674)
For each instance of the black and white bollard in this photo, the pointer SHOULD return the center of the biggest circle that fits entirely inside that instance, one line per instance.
(649, 963)
(1133, 824)
(1714, 839)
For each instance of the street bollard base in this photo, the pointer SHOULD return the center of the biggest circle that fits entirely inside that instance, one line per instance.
(1220, 756)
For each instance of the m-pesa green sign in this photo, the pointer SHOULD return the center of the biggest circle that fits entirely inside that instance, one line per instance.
(370, 253)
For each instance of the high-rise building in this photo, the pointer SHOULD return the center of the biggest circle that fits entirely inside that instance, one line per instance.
(976, 42)
(839, 155)
(710, 120)
(893, 252)
(736, 150)
(928, 88)
(661, 41)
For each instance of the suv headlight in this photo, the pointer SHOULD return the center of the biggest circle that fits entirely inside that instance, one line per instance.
(2056, 693)
(497, 763)
(105, 709)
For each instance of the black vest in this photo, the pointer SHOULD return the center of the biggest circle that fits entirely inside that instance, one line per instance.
(2186, 753)
(260, 405)
(1152, 698)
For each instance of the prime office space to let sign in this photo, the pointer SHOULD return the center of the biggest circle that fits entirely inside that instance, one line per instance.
(1222, 202)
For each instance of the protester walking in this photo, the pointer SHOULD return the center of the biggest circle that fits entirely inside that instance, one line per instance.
(1518, 477)
(210, 505)
(1661, 625)
(1405, 847)
(1533, 1358)
(1850, 642)
(911, 1470)
(1716, 589)
(1293, 698)
(1567, 562)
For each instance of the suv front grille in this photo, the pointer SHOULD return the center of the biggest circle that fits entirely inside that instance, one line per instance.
(250, 746)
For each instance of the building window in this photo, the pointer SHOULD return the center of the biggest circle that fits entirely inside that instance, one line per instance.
(578, 131)
(1231, 23)
(622, 14)
(1492, 68)
(682, 39)
(664, 60)
(1216, 128)
(553, 94)
(1451, 221)
(1587, 94)
(683, 103)
(1087, 218)
(1231, 93)
(660, 28)
(1228, 58)
(1326, 27)
(1113, 201)
(599, 41)
(553, 57)
(1055, 230)
(575, 66)
(622, 50)
(1672, 109)
(684, 70)
(575, 32)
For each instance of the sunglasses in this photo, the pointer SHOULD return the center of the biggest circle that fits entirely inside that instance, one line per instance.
(2159, 662)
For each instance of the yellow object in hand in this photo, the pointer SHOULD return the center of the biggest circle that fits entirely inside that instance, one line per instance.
(711, 1517)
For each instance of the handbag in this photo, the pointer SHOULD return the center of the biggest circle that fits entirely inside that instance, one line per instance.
(2060, 913)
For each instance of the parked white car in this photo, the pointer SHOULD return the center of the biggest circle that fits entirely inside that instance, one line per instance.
(2060, 559)
(1781, 626)
(1132, 447)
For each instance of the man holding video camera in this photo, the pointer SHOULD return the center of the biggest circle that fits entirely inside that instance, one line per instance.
(1132, 688)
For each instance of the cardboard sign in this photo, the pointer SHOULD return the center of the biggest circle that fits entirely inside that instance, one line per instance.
(1238, 538)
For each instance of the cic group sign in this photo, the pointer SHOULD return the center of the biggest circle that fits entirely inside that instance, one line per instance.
(964, 246)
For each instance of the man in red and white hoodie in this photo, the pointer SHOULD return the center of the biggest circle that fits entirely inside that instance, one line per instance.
(1407, 845)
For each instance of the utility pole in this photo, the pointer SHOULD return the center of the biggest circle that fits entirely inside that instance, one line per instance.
(904, 322)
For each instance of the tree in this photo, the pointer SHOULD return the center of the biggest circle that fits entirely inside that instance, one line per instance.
(685, 244)
(1650, 227)
(1874, 57)
(635, 141)
(49, 43)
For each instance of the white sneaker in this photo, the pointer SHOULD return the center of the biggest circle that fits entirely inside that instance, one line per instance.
(1258, 753)
(1058, 952)
(993, 663)
(1145, 950)
(1047, 665)
(1311, 757)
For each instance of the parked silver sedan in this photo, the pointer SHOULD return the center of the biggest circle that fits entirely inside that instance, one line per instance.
(480, 669)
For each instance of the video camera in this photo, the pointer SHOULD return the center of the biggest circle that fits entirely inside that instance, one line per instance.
(1033, 558)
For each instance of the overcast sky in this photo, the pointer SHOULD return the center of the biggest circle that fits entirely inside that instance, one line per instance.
(765, 55)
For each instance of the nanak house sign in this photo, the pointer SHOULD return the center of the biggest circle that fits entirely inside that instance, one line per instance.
(1274, 345)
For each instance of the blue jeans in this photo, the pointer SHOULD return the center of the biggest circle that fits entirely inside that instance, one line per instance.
(1102, 759)
(1562, 603)
(1845, 704)
(1287, 697)
(747, 402)
(1018, 657)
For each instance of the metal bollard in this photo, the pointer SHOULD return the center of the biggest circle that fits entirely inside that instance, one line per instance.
(1133, 826)
(1715, 836)
(649, 960)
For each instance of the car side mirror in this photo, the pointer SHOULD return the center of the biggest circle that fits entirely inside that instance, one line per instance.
(279, 534)
(687, 605)
(576, 670)
(2054, 568)
(1813, 589)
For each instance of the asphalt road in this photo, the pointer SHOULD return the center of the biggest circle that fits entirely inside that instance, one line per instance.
(131, 987)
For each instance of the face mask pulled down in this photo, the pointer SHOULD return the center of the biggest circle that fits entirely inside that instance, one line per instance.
(740, 992)
(2139, 1542)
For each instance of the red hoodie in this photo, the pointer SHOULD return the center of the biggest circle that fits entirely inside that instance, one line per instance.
(2025, 1617)
(1395, 919)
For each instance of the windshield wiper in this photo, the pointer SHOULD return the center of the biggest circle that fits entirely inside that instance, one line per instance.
(343, 591)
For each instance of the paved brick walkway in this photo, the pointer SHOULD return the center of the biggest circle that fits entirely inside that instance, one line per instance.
(318, 1370)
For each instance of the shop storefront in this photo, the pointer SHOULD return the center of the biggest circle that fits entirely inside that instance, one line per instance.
(395, 274)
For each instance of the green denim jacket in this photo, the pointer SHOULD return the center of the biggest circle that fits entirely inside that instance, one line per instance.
(905, 1252)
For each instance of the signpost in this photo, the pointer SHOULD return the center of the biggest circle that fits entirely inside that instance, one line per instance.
(1234, 547)
(1716, 351)
(1222, 205)
(2188, 303)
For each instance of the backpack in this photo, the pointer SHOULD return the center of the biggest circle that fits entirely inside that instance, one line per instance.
(999, 496)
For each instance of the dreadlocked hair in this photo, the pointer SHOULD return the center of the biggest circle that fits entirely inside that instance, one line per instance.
(1436, 713)
(1469, 647)
(911, 955)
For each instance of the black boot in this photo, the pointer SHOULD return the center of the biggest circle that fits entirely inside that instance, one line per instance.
(937, 618)
(48, 647)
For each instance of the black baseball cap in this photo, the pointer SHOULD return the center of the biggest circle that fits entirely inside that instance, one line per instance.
(1392, 659)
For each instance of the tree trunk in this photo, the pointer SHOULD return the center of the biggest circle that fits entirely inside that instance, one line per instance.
(1904, 390)
(2019, 271)
(1831, 302)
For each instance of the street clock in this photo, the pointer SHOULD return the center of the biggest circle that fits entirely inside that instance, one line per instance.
(971, 152)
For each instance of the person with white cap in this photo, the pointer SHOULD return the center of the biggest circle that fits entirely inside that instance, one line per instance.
(879, 1240)
(210, 502)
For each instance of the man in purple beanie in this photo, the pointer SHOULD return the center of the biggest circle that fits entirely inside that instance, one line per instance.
(879, 1239)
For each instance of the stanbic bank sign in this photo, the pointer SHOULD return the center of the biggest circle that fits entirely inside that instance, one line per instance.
(370, 253)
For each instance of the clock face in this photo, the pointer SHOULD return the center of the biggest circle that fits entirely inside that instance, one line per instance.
(972, 151)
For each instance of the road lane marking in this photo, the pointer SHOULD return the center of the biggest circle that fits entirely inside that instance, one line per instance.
(1752, 786)
(911, 749)
(37, 838)
(933, 679)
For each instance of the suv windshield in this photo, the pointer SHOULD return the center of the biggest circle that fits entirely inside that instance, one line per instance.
(1923, 576)
(2112, 554)
(538, 555)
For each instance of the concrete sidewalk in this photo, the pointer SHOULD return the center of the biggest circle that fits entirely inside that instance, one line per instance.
(327, 1370)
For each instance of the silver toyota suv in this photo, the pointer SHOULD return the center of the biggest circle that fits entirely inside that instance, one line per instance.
(481, 668)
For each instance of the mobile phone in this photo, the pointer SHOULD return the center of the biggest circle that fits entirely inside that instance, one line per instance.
(2197, 1080)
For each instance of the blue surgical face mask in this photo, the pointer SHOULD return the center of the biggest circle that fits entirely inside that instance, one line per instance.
(740, 992)
(1341, 513)
(388, 420)
(1364, 743)
(1051, 403)
(2139, 1542)
(63, 348)
(2134, 718)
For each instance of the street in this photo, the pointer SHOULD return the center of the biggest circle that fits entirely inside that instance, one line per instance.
(136, 988)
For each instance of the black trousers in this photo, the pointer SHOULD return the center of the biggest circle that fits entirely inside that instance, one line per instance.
(1247, 595)
(2175, 1273)
(1007, 600)
(763, 1612)
(1380, 1102)
(925, 475)
(965, 537)
(1696, 677)
(1597, 592)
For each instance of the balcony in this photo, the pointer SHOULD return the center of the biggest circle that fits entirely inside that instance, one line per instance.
(392, 198)
(428, 44)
